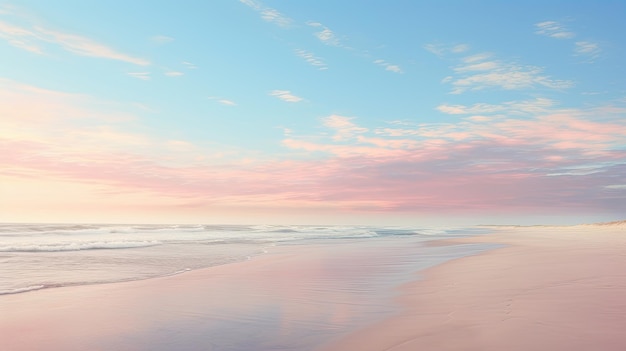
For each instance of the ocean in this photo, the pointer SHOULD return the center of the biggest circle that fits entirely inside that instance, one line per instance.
(43, 256)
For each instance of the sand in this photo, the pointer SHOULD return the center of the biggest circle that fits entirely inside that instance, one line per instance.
(253, 305)
(550, 288)
(297, 297)
(547, 288)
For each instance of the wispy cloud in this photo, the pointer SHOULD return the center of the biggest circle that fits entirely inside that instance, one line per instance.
(162, 39)
(588, 49)
(189, 65)
(223, 101)
(268, 14)
(343, 126)
(538, 105)
(553, 29)
(140, 75)
(477, 72)
(312, 59)
(174, 74)
(441, 49)
(33, 40)
(457, 49)
(388, 66)
(286, 95)
(227, 102)
(325, 34)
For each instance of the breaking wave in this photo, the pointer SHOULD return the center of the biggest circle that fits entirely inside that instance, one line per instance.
(96, 245)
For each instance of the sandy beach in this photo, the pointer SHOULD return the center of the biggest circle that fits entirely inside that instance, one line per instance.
(550, 288)
(546, 288)
(297, 297)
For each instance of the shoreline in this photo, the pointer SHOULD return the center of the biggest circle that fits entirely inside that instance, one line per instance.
(294, 298)
(548, 288)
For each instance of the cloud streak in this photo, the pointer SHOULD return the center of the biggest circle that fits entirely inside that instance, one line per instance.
(325, 34)
(311, 59)
(553, 29)
(223, 101)
(268, 14)
(481, 71)
(285, 95)
(34, 39)
(388, 66)
(588, 49)
(140, 75)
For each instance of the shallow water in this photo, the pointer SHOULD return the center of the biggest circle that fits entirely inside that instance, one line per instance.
(303, 287)
(37, 256)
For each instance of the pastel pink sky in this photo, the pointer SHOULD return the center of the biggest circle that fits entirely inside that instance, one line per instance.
(70, 157)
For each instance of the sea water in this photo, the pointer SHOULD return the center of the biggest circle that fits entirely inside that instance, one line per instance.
(41, 256)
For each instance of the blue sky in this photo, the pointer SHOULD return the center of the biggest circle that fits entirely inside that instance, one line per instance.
(316, 112)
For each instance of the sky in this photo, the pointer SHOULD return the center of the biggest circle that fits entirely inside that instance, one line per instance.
(391, 112)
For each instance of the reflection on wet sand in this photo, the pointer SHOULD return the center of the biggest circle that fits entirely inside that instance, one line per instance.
(295, 298)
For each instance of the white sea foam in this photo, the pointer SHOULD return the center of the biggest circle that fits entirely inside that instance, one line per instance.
(21, 290)
(49, 255)
(95, 245)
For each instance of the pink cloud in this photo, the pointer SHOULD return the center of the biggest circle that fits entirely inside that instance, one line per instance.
(559, 161)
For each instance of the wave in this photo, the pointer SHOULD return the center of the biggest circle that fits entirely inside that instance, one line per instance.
(96, 245)
(22, 290)
(67, 237)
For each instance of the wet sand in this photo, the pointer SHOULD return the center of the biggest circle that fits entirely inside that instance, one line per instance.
(294, 298)
(550, 288)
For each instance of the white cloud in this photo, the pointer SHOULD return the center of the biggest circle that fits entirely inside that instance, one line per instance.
(276, 17)
(435, 49)
(223, 101)
(31, 40)
(267, 13)
(476, 74)
(325, 35)
(189, 65)
(343, 126)
(553, 29)
(457, 49)
(388, 66)
(556, 30)
(285, 95)
(140, 75)
(538, 105)
(477, 57)
(226, 102)
(481, 66)
(87, 47)
(174, 74)
(441, 49)
(589, 49)
(312, 59)
(393, 68)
